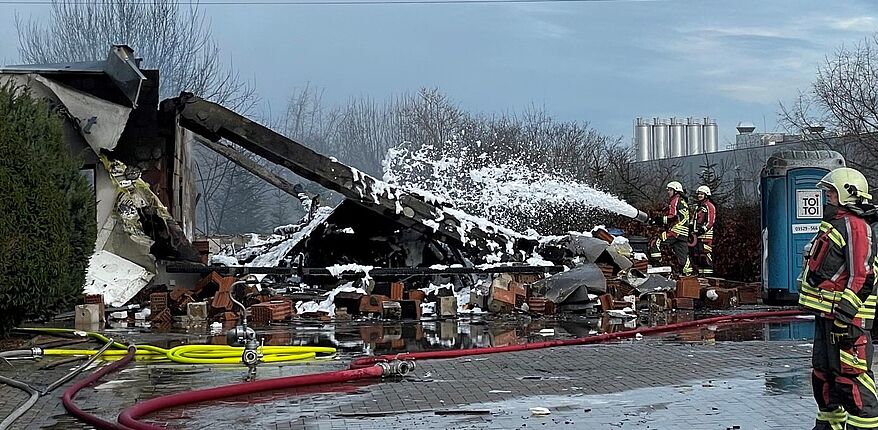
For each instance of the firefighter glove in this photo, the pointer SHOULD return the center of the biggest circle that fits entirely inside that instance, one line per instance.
(840, 333)
(700, 231)
(656, 220)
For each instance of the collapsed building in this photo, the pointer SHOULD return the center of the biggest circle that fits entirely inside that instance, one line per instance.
(408, 245)
(137, 161)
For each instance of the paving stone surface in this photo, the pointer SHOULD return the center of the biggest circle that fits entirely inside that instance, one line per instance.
(649, 384)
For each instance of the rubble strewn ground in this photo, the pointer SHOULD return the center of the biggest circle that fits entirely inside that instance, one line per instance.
(599, 274)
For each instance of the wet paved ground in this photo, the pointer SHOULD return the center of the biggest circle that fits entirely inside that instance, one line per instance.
(753, 377)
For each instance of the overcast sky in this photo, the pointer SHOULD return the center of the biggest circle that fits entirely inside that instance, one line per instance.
(602, 62)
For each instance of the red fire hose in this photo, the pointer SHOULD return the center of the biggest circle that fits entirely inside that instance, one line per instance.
(72, 409)
(370, 367)
(129, 417)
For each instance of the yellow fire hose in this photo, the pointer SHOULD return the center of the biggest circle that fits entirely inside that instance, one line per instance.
(189, 354)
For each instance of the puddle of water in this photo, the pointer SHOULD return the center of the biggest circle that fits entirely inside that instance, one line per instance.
(357, 338)
(701, 404)
(711, 404)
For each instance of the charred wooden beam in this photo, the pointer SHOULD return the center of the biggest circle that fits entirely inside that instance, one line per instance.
(250, 165)
(216, 122)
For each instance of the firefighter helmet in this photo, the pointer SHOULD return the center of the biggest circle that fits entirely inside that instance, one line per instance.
(850, 185)
(676, 186)
(703, 189)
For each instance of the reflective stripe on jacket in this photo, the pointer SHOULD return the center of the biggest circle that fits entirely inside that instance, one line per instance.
(838, 276)
(677, 216)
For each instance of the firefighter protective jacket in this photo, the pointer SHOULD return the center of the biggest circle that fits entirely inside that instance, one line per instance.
(838, 275)
(704, 217)
(677, 216)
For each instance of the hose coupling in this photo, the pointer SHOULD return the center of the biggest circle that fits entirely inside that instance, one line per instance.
(250, 357)
(37, 352)
(397, 367)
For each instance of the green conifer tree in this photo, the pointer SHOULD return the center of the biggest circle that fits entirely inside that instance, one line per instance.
(47, 213)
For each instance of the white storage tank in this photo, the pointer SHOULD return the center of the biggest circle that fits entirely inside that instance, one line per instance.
(659, 139)
(711, 135)
(642, 140)
(694, 144)
(677, 138)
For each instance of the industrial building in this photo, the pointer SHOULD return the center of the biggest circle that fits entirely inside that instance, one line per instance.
(690, 150)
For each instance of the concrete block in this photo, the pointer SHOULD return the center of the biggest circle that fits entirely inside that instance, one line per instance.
(197, 311)
(447, 307)
(88, 315)
(97, 299)
(479, 299)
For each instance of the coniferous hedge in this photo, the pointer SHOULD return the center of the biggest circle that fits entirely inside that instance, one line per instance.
(47, 213)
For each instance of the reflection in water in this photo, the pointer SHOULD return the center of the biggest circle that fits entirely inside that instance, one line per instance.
(796, 330)
(355, 338)
(798, 382)
(367, 337)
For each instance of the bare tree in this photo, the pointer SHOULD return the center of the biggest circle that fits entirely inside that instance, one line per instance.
(307, 117)
(176, 41)
(172, 37)
(844, 99)
(427, 117)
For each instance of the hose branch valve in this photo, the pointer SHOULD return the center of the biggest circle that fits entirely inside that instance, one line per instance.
(244, 336)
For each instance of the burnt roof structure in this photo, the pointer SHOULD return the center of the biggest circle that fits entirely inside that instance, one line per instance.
(408, 209)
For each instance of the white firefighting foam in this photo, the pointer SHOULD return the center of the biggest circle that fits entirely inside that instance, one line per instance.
(502, 193)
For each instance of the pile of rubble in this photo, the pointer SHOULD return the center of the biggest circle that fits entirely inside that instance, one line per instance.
(603, 277)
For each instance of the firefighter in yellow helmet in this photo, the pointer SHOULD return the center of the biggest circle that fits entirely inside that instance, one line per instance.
(838, 284)
(675, 220)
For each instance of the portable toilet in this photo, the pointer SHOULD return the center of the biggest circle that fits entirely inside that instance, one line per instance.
(792, 207)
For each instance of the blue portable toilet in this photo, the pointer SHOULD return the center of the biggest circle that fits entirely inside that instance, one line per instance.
(792, 207)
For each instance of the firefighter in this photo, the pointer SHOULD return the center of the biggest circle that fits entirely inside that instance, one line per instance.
(703, 220)
(838, 284)
(675, 220)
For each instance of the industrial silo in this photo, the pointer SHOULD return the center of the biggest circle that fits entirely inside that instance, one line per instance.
(677, 138)
(711, 135)
(694, 143)
(642, 140)
(659, 139)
